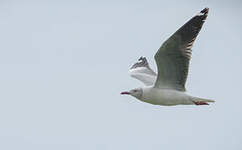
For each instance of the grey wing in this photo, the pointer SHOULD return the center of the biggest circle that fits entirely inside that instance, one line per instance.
(142, 71)
(173, 57)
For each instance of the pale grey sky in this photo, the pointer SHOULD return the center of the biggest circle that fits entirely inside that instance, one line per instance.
(64, 63)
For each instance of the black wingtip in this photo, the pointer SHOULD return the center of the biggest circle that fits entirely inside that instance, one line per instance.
(142, 62)
(142, 58)
(205, 11)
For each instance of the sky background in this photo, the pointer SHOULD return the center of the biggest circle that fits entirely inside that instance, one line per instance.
(63, 65)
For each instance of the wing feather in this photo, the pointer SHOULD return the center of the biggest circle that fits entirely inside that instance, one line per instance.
(141, 71)
(173, 57)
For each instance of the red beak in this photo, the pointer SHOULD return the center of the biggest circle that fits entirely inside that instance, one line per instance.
(123, 93)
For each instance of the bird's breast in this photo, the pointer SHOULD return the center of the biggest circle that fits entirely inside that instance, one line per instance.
(164, 96)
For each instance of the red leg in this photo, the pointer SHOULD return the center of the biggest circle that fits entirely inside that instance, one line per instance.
(200, 103)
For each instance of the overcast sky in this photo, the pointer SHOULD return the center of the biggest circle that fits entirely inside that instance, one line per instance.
(64, 63)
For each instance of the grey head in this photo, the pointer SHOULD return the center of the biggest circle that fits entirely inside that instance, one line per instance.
(137, 92)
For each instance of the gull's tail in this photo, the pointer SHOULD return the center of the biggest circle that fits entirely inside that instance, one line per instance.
(201, 101)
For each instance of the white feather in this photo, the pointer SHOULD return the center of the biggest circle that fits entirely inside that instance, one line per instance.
(144, 75)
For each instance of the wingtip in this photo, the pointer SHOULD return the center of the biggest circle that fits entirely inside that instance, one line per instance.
(141, 58)
(142, 61)
(203, 12)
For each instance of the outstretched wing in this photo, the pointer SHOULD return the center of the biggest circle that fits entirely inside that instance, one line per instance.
(173, 57)
(141, 71)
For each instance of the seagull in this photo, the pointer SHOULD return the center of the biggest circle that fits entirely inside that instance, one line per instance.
(167, 88)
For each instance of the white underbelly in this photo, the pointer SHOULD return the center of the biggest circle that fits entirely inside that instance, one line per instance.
(165, 97)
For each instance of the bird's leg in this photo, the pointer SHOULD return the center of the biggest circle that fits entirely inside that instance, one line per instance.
(200, 103)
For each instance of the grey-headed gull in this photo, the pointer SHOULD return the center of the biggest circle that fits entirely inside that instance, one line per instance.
(172, 59)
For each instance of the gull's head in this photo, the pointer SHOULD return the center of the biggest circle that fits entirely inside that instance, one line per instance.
(134, 92)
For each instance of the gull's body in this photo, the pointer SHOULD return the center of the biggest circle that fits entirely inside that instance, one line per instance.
(172, 59)
(166, 97)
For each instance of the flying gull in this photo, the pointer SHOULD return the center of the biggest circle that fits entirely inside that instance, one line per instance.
(172, 59)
